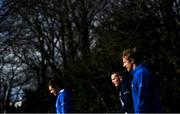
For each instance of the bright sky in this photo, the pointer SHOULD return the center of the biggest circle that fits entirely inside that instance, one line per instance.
(0, 3)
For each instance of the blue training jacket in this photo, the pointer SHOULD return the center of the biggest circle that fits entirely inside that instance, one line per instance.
(63, 102)
(145, 96)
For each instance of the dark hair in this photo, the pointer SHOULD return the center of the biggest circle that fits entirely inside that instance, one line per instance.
(55, 83)
(117, 73)
(124, 74)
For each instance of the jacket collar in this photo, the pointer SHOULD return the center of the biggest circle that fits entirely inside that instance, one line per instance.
(136, 68)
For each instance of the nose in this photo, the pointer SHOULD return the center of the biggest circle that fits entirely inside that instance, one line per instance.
(113, 81)
(124, 65)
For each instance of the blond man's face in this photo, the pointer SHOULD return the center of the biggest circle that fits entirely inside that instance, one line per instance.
(127, 63)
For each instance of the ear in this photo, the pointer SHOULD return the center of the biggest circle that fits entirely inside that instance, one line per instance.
(132, 60)
(120, 78)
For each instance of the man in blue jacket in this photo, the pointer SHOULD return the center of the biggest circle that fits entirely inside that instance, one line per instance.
(145, 95)
(63, 97)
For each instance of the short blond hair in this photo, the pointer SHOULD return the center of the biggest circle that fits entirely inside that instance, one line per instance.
(132, 53)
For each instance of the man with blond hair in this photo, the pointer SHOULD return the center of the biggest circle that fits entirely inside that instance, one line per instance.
(145, 96)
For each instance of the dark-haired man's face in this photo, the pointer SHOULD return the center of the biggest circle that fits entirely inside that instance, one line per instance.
(53, 90)
(116, 80)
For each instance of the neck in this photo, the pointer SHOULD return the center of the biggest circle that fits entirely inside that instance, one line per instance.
(134, 66)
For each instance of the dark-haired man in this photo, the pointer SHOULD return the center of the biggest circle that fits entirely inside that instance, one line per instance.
(63, 96)
(123, 84)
